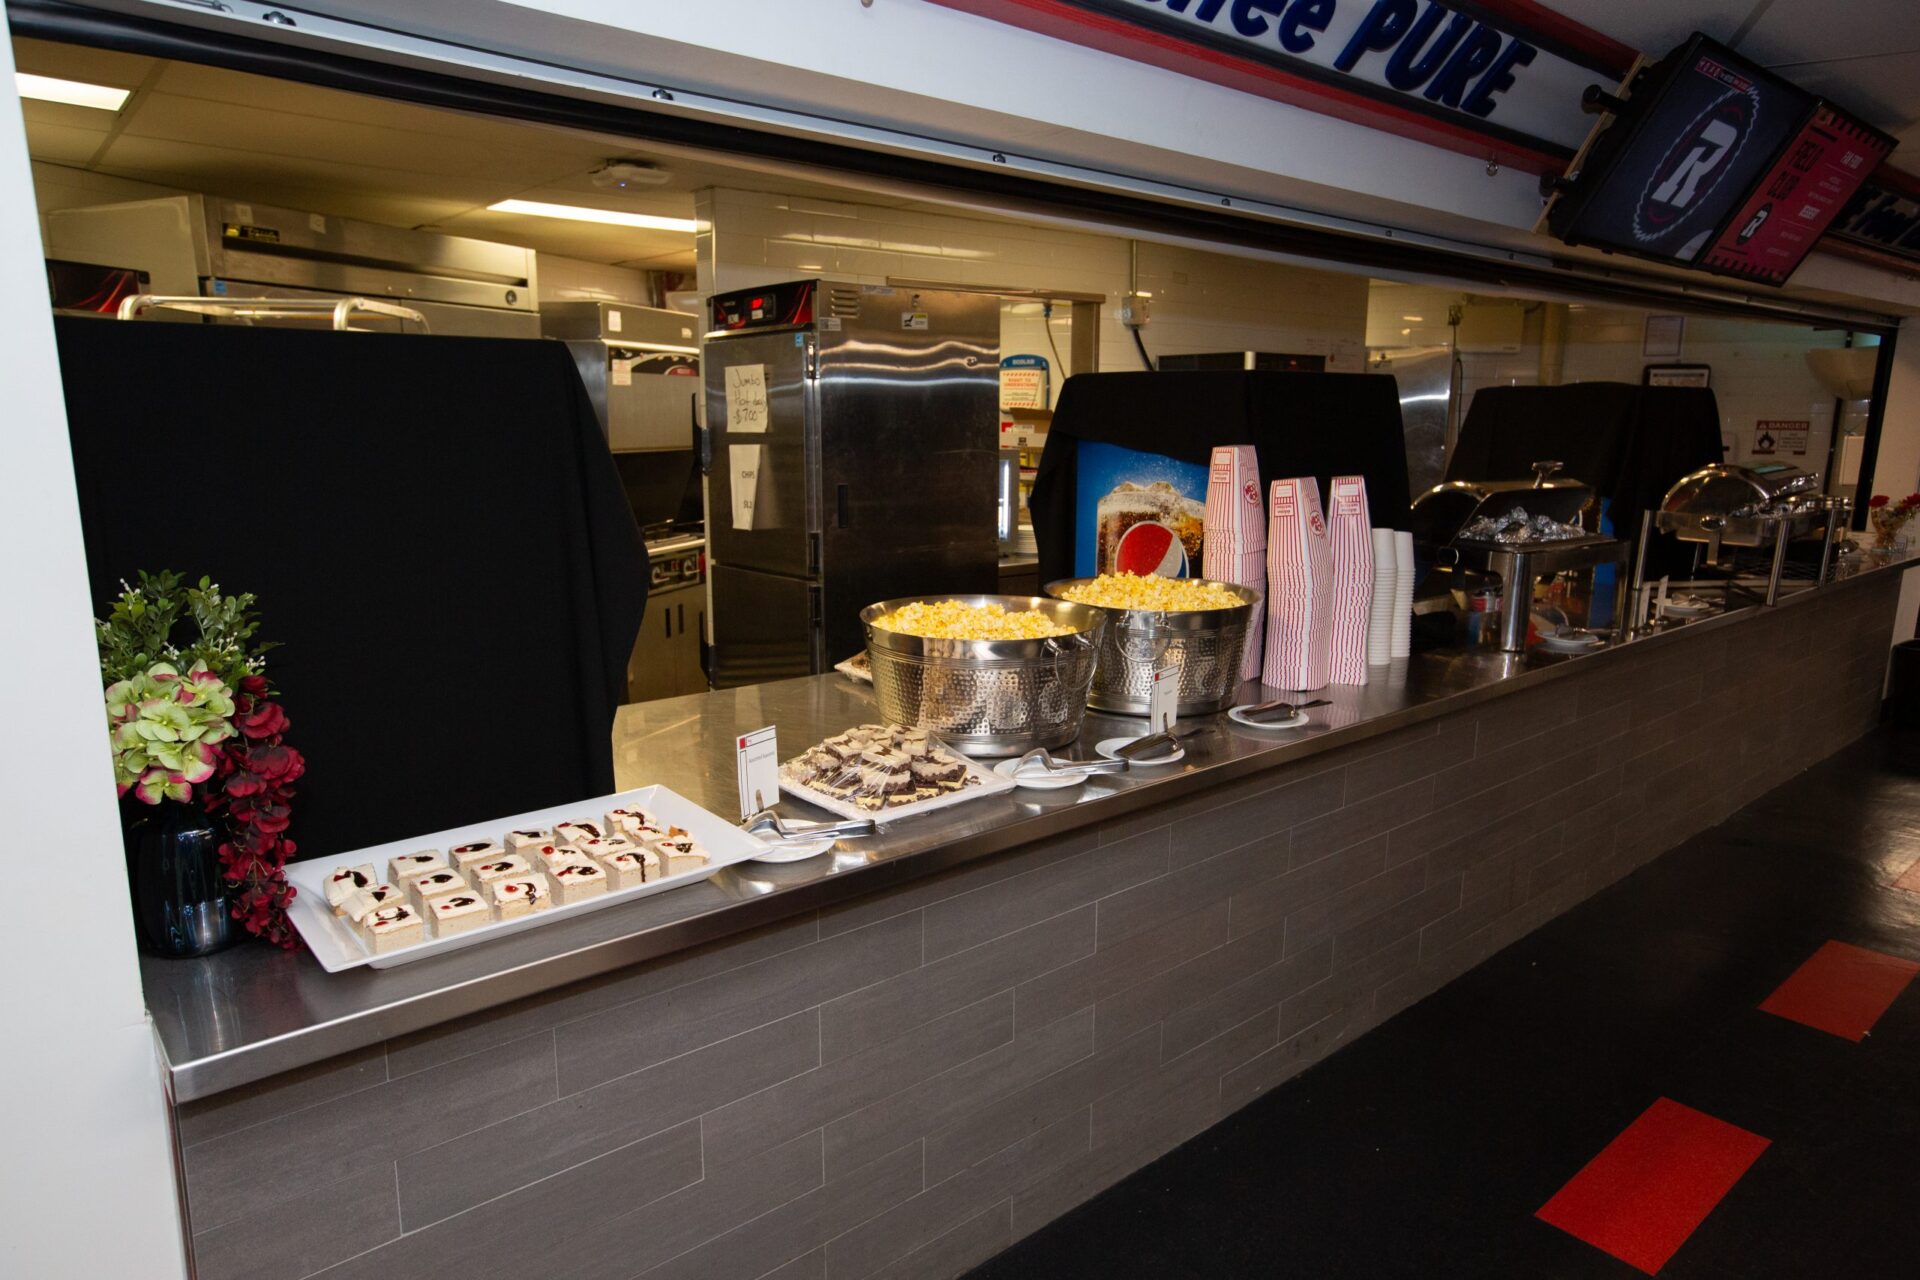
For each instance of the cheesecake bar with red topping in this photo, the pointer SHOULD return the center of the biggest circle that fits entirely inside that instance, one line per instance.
(435, 884)
(458, 912)
(520, 896)
(390, 928)
(345, 882)
(578, 881)
(630, 868)
(404, 866)
(511, 867)
(465, 856)
(527, 839)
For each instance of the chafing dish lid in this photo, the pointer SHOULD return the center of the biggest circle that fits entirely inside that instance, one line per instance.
(1724, 489)
(1442, 511)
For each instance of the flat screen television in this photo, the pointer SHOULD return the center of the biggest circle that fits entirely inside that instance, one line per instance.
(1718, 164)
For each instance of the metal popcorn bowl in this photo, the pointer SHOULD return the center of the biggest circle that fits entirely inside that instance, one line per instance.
(1205, 644)
(987, 697)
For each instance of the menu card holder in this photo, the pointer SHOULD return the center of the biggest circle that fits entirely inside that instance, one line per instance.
(1299, 588)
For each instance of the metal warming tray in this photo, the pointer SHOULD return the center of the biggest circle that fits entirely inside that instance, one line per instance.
(987, 697)
(1725, 505)
(1205, 644)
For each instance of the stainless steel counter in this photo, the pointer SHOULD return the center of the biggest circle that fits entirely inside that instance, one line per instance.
(252, 1012)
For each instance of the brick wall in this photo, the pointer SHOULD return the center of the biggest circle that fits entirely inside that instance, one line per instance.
(902, 1085)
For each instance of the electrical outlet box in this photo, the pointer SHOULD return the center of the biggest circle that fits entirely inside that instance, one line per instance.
(1134, 310)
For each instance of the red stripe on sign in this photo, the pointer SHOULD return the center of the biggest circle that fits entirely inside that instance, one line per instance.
(1842, 990)
(1647, 1190)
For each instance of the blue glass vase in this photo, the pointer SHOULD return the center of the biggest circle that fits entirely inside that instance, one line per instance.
(180, 897)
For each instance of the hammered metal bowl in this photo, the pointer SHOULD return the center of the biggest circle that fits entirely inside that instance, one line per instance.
(988, 697)
(1205, 644)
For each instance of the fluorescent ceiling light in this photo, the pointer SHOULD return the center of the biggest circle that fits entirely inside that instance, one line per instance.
(576, 213)
(73, 93)
(1415, 319)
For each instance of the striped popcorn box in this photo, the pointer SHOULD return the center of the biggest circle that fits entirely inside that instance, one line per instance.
(1252, 572)
(1235, 524)
(1236, 540)
(1299, 588)
(1350, 539)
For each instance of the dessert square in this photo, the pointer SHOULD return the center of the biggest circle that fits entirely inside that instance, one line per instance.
(512, 867)
(435, 884)
(458, 912)
(403, 866)
(681, 854)
(571, 834)
(551, 857)
(631, 868)
(347, 881)
(390, 928)
(466, 855)
(631, 816)
(578, 881)
(520, 896)
(371, 898)
(527, 839)
(605, 847)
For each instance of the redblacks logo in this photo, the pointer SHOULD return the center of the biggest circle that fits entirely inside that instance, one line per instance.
(1695, 164)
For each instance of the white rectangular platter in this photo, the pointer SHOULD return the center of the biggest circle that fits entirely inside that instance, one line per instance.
(984, 782)
(336, 944)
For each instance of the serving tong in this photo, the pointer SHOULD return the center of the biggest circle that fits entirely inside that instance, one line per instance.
(767, 824)
(1156, 744)
(1279, 710)
(1056, 768)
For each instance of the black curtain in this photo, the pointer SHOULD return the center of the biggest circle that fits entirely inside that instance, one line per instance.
(1629, 442)
(1300, 424)
(434, 528)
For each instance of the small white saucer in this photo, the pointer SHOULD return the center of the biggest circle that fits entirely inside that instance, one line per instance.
(1557, 644)
(1239, 716)
(1037, 779)
(1110, 748)
(795, 850)
(1694, 609)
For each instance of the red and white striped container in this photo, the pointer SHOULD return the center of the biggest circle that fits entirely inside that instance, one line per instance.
(1351, 542)
(1235, 549)
(1299, 588)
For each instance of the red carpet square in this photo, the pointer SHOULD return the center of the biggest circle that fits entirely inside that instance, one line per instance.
(1842, 990)
(1647, 1190)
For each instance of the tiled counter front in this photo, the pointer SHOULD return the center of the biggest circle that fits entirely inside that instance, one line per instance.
(903, 1085)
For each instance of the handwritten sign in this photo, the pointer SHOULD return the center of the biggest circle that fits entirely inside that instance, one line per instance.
(747, 398)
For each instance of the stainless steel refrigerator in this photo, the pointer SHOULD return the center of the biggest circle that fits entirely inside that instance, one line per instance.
(854, 433)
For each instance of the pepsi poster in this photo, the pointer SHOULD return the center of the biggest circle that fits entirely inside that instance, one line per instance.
(1665, 184)
(1137, 512)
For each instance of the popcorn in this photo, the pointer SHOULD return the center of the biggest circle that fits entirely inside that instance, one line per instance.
(952, 620)
(1150, 591)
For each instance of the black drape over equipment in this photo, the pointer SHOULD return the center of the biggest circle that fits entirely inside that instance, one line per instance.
(435, 530)
(1631, 443)
(1300, 424)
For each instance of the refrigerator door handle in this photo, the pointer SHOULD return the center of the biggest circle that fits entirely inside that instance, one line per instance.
(702, 438)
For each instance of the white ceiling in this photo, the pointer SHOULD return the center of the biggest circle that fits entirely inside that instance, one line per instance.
(1864, 55)
(204, 129)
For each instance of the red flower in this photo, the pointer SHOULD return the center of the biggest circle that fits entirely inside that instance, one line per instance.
(1911, 500)
(253, 685)
(265, 720)
(1878, 500)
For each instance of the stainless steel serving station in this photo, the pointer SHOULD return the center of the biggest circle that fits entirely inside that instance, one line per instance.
(249, 1013)
(983, 1014)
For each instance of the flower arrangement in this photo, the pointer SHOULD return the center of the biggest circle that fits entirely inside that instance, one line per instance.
(1890, 517)
(198, 720)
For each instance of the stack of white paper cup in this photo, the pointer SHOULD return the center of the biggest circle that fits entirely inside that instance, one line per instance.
(1402, 593)
(1235, 549)
(1299, 588)
(1386, 584)
(1351, 545)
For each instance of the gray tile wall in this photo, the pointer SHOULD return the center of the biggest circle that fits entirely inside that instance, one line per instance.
(903, 1085)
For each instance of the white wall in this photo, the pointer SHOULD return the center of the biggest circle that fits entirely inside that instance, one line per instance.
(1201, 301)
(86, 1182)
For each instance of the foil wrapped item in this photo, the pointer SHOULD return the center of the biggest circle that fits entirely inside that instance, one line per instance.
(1517, 527)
